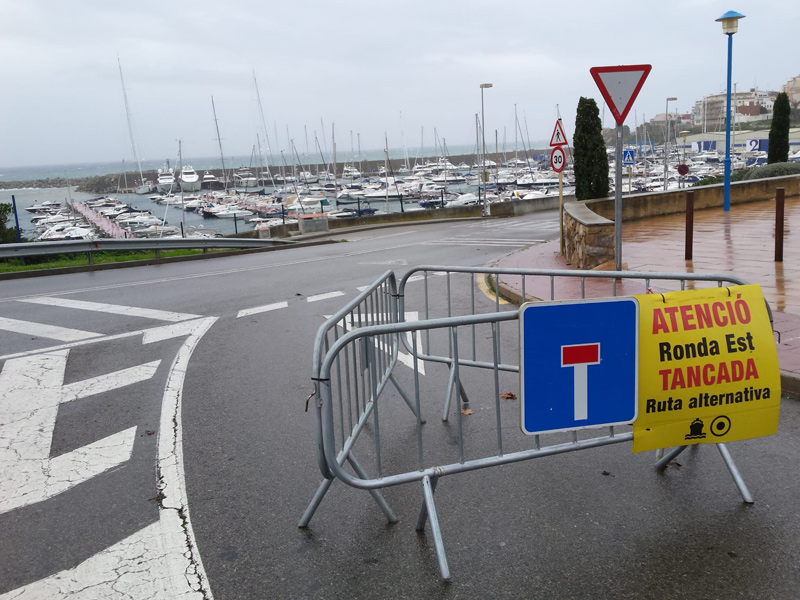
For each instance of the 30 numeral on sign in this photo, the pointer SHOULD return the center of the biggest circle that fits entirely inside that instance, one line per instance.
(558, 159)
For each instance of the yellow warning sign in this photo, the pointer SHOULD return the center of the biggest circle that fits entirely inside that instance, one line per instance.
(708, 368)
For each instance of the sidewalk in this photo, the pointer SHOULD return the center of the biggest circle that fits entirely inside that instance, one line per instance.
(739, 243)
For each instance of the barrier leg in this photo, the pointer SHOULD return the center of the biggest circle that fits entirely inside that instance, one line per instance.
(450, 380)
(403, 395)
(429, 509)
(315, 502)
(376, 495)
(737, 478)
(663, 462)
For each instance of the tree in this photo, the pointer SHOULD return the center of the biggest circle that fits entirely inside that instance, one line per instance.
(589, 156)
(779, 132)
(8, 235)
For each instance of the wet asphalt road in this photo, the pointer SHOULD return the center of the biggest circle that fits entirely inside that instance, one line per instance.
(594, 524)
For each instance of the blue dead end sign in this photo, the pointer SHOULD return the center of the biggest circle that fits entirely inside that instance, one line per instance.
(578, 364)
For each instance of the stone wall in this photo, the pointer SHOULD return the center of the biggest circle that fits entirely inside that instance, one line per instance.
(588, 237)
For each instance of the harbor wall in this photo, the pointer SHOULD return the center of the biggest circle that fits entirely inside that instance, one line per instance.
(586, 223)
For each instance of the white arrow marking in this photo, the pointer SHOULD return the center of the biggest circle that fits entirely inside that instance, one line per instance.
(114, 309)
(51, 332)
(31, 388)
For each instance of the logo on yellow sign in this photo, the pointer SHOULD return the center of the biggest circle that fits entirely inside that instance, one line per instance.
(708, 368)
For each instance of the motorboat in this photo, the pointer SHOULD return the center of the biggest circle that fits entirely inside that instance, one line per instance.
(243, 178)
(189, 179)
(44, 207)
(166, 180)
(211, 182)
(468, 199)
(67, 231)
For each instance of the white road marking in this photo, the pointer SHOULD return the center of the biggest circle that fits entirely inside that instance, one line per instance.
(114, 309)
(162, 559)
(327, 296)
(108, 382)
(142, 565)
(51, 332)
(259, 309)
(154, 334)
(31, 389)
(468, 242)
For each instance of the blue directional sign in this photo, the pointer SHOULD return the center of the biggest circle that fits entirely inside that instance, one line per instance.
(627, 158)
(578, 364)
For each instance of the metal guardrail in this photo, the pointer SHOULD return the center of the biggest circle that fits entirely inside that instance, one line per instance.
(111, 245)
(352, 372)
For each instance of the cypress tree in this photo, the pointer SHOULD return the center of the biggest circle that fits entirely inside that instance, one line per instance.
(590, 157)
(779, 132)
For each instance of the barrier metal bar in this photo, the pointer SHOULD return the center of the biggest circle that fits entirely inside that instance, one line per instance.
(366, 354)
(356, 405)
(613, 276)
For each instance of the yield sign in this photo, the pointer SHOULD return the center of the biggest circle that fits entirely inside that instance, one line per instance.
(620, 86)
(558, 138)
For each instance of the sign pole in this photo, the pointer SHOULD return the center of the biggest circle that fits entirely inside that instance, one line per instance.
(561, 210)
(618, 201)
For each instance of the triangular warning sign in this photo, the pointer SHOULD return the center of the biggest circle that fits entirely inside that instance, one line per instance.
(558, 138)
(620, 86)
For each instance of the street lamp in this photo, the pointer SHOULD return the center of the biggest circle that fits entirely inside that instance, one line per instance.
(666, 139)
(483, 143)
(730, 25)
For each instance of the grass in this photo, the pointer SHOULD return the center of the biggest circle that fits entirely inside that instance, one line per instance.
(63, 261)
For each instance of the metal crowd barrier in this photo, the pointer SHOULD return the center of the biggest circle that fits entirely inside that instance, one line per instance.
(357, 353)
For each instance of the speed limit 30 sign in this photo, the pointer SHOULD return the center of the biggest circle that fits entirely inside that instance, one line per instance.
(558, 159)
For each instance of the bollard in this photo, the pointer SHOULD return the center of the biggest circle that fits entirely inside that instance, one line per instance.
(689, 225)
(779, 202)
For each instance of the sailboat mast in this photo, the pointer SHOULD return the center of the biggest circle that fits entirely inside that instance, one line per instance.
(263, 121)
(130, 127)
(333, 143)
(386, 168)
(219, 140)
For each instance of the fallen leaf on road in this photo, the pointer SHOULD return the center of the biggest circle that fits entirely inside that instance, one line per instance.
(508, 396)
(467, 411)
(607, 473)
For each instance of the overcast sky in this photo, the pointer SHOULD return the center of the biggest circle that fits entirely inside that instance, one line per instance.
(371, 68)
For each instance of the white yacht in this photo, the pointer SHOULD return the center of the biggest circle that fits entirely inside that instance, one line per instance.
(243, 178)
(190, 180)
(166, 180)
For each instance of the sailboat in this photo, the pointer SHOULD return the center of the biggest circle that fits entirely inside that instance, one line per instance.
(144, 187)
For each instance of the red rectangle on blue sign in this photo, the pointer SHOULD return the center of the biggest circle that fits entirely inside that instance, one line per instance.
(578, 364)
(580, 355)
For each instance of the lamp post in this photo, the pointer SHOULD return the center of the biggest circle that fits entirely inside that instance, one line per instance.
(483, 151)
(730, 25)
(666, 139)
